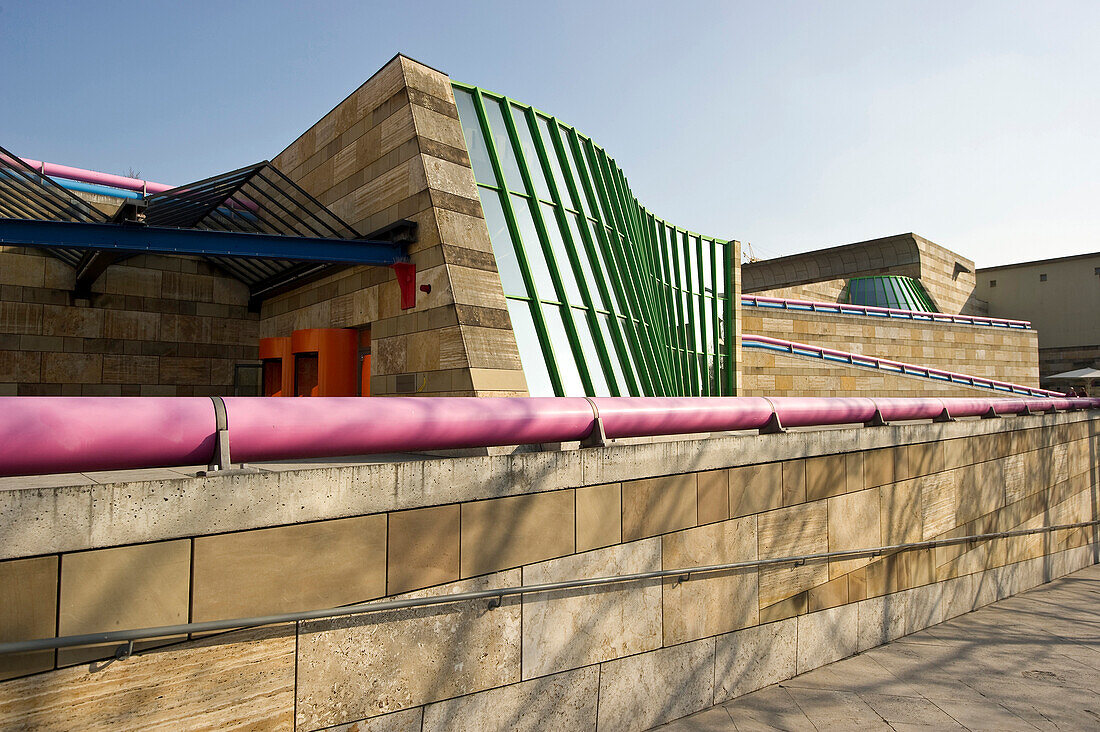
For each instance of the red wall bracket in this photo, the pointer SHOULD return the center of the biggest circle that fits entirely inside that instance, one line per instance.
(406, 280)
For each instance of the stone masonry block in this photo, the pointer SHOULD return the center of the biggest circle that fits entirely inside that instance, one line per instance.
(826, 476)
(713, 496)
(706, 605)
(599, 516)
(508, 532)
(125, 587)
(288, 568)
(646, 690)
(423, 548)
(826, 636)
(563, 701)
(789, 532)
(573, 628)
(360, 666)
(753, 658)
(659, 505)
(28, 610)
(755, 488)
(853, 524)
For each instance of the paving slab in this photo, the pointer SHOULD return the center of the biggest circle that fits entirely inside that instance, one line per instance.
(1029, 662)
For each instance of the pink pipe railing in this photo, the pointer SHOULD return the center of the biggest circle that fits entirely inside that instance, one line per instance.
(94, 176)
(858, 359)
(846, 309)
(79, 434)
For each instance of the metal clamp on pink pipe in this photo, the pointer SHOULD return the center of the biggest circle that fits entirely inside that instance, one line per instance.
(79, 434)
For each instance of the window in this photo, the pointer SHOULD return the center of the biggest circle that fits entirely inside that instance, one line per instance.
(1042, 278)
(1096, 271)
(993, 283)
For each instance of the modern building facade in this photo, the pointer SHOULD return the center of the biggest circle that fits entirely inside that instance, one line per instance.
(518, 261)
(1061, 297)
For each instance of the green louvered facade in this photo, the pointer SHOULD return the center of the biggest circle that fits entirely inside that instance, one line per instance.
(605, 298)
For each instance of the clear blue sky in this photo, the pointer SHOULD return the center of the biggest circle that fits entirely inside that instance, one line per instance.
(790, 125)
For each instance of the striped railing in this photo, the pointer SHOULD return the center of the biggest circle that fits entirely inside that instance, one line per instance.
(840, 308)
(883, 364)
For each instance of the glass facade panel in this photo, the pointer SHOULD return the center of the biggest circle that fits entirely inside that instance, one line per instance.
(530, 352)
(613, 355)
(532, 246)
(720, 267)
(586, 265)
(661, 328)
(561, 257)
(591, 353)
(552, 158)
(563, 354)
(527, 144)
(506, 153)
(708, 271)
(475, 139)
(507, 263)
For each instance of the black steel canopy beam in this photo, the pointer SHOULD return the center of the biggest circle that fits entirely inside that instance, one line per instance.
(197, 242)
(91, 266)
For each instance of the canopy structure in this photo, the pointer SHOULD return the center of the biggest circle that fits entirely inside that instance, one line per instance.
(253, 223)
(1086, 374)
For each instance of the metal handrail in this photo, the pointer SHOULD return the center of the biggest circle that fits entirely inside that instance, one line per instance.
(840, 308)
(908, 369)
(495, 596)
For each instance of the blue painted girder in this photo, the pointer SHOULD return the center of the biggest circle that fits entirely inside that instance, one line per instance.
(137, 238)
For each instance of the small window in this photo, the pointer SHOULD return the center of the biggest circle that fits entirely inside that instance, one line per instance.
(993, 283)
(1042, 278)
(1096, 271)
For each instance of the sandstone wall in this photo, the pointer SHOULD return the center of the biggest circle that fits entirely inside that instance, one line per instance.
(154, 326)
(771, 373)
(394, 150)
(998, 353)
(621, 657)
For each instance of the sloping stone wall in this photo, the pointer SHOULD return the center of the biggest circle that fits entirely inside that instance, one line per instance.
(621, 657)
(394, 150)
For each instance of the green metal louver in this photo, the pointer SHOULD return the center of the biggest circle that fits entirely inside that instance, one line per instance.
(604, 297)
(889, 291)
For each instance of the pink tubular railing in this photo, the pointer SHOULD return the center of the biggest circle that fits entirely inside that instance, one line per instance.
(79, 434)
(840, 308)
(856, 359)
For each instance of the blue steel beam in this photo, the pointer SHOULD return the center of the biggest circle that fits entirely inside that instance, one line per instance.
(199, 242)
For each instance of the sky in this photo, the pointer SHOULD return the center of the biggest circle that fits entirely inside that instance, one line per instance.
(788, 125)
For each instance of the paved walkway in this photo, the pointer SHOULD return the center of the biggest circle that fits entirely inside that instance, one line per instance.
(1025, 663)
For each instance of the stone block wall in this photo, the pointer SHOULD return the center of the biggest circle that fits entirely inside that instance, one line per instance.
(998, 353)
(950, 279)
(394, 150)
(620, 657)
(1070, 358)
(154, 326)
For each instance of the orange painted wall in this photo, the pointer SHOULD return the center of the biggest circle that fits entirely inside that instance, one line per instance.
(277, 350)
(337, 351)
